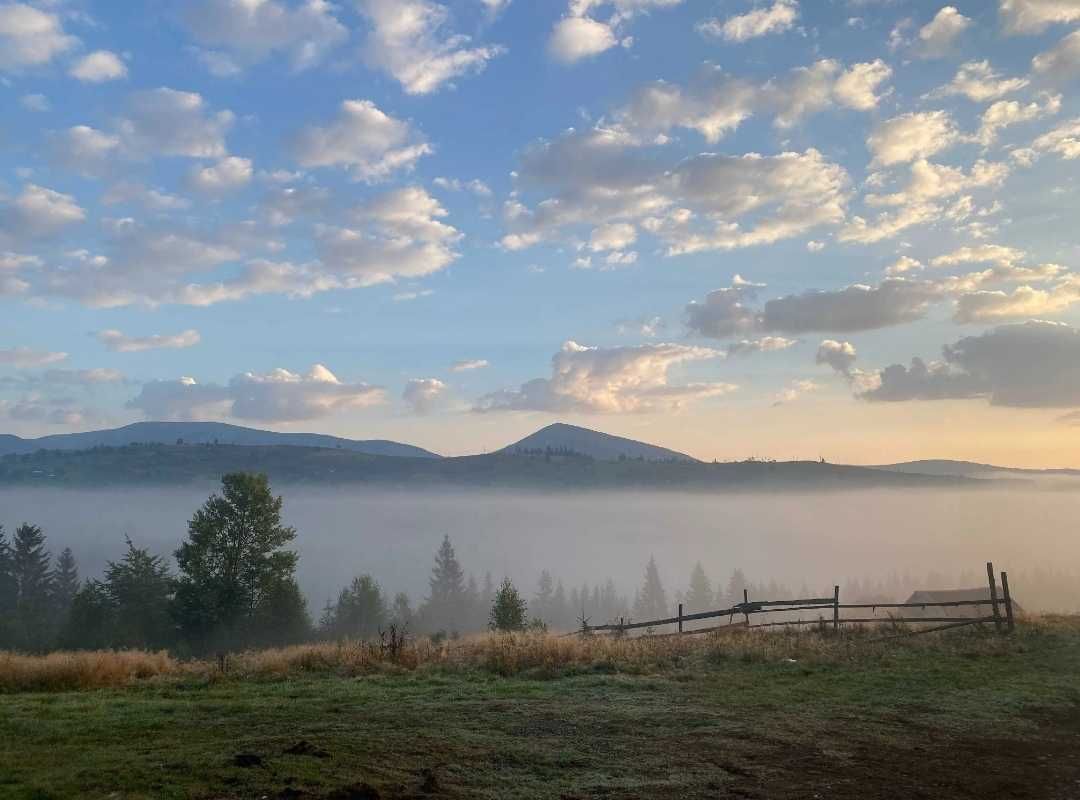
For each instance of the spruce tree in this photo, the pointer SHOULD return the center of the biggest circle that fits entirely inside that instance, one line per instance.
(699, 597)
(34, 580)
(737, 583)
(140, 589)
(9, 592)
(65, 585)
(360, 610)
(545, 595)
(651, 601)
(508, 612)
(445, 609)
(90, 623)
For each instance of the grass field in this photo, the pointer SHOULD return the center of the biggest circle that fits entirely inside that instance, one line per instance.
(749, 715)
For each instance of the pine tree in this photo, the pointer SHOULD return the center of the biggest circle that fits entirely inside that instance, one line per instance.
(545, 593)
(699, 597)
(736, 584)
(445, 609)
(360, 610)
(652, 601)
(9, 592)
(508, 613)
(140, 589)
(65, 585)
(33, 579)
(236, 585)
(561, 615)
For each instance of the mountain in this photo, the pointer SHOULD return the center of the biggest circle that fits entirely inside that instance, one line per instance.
(203, 433)
(972, 469)
(583, 441)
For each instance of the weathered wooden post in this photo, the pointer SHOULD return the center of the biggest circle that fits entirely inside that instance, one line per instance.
(680, 617)
(1008, 600)
(746, 604)
(836, 609)
(993, 594)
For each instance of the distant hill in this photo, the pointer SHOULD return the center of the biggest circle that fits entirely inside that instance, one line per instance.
(561, 437)
(173, 465)
(203, 433)
(972, 469)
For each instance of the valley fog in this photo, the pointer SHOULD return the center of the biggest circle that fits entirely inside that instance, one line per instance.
(797, 539)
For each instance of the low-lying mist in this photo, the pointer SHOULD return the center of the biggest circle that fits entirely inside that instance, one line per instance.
(814, 540)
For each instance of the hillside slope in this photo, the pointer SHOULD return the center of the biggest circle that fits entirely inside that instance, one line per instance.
(603, 446)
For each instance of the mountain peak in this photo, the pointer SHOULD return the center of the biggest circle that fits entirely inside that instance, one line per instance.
(598, 445)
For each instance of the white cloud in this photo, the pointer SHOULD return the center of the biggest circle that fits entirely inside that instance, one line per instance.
(1034, 16)
(1023, 302)
(575, 38)
(777, 18)
(794, 390)
(615, 236)
(83, 149)
(37, 212)
(838, 355)
(143, 197)
(469, 364)
(979, 82)
(1009, 112)
(276, 396)
(902, 266)
(423, 394)
(1061, 60)
(226, 175)
(981, 254)
(911, 136)
(935, 181)
(610, 380)
(371, 144)
(858, 87)
(30, 37)
(98, 67)
(168, 122)
(408, 40)
(119, 342)
(1064, 140)
(937, 36)
(28, 358)
(476, 186)
(765, 344)
(35, 102)
(304, 31)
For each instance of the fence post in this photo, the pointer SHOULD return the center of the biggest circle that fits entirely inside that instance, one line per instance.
(746, 602)
(1008, 600)
(836, 609)
(680, 617)
(993, 594)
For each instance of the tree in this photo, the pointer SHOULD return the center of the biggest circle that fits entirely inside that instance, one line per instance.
(33, 580)
(651, 601)
(737, 583)
(360, 610)
(446, 607)
(700, 595)
(140, 590)
(65, 585)
(401, 613)
(545, 594)
(9, 592)
(90, 623)
(236, 585)
(508, 612)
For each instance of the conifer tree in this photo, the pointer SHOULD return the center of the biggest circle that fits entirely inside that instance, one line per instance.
(33, 580)
(65, 585)
(508, 613)
(651, 601)
(699, 597)
(360, 610)
(545, 594)
(9, 592)
(445, 609)
(140, 588)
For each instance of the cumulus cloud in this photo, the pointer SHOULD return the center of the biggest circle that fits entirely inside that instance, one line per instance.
(371, 144)
(409, 41)
(1064, 140)
(838, 355)
(1035, 364)
(1062, 60)
(253, 30)
(423, 394)
(777, 18)
(911, 136)
(610, 380)
(37, 213)
(168, 122)
(985, 306)
(766, 344)
(99, 67)
(1035, 16)
(26, 357)
(30, 37)
(144, 197)
(83, 149)
(1004, 113)
(276, 396)
(936, 38)
(226, 175)
(575, 38)
(469, 365)
(794, 390)
(119, 342)
(980, 254)
(979, 82)
(614, 236)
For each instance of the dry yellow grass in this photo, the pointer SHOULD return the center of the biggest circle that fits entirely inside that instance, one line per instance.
(540, 655)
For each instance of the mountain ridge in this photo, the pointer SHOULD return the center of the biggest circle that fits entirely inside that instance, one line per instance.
(595, 444)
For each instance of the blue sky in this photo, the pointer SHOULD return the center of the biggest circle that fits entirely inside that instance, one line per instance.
(450, 223)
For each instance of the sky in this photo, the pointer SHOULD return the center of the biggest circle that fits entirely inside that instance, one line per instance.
(778, 228)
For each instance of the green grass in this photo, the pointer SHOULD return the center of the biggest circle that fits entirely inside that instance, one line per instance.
(960, 720)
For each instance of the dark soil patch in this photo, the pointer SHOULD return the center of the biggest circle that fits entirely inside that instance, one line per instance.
(306, 748)
(247, 760)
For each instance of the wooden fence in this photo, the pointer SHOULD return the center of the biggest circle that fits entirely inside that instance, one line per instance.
(829, 616)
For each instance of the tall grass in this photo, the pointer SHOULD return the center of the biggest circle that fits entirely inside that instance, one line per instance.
(536, 655)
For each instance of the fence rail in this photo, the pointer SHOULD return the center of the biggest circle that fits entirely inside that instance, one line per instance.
(832, 604)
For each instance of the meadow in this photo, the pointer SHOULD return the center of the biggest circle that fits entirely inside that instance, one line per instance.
(744, 714)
